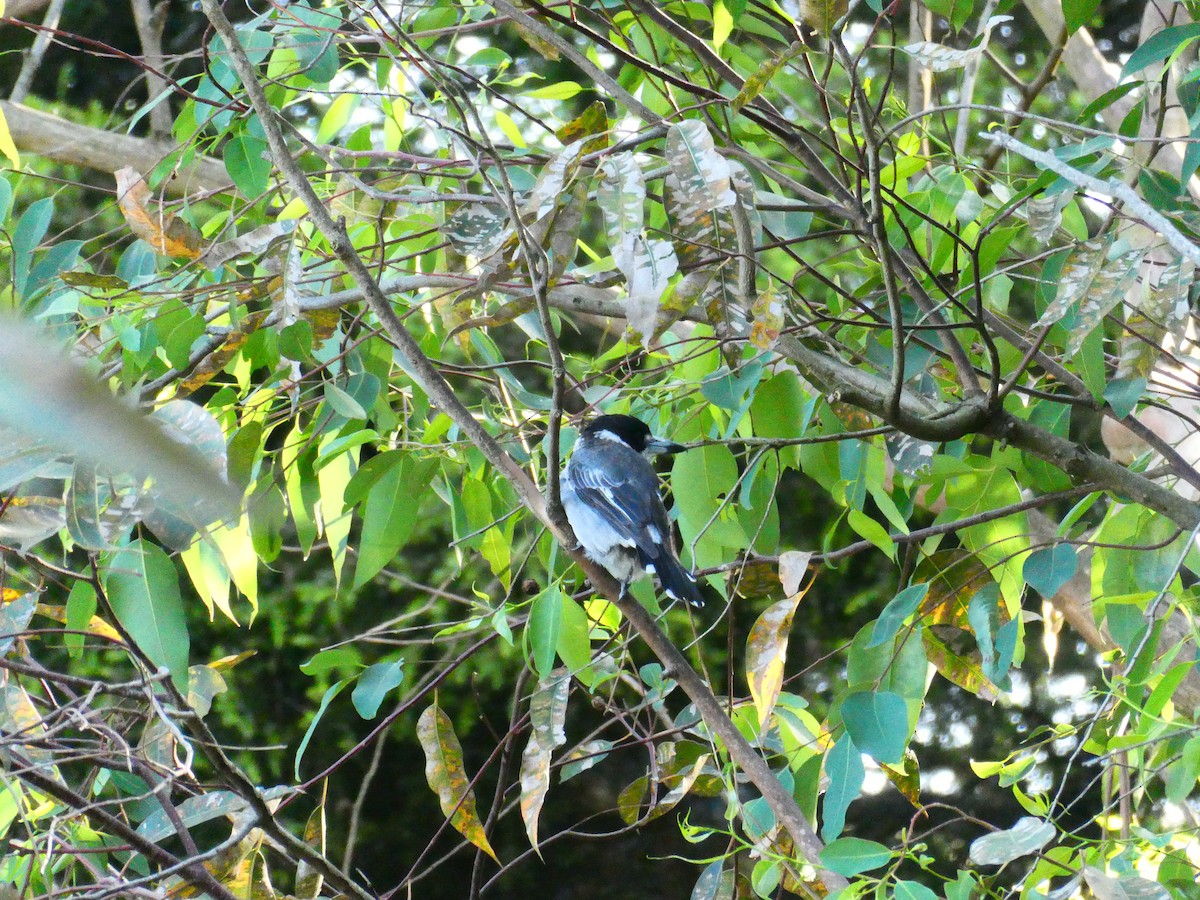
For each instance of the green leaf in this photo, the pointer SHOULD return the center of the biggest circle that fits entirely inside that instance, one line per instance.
(81, 606)
(26, 235)
(710, 473)
(342, 403)
(1078, 13)
(390, 512)
(143, 589)
(1123, 394)
(850, 855)
(878, 724)
(912, 890)
(374, 684)
(560, 90)
(247, 164)
(574, 646)
(545, 624)
(845, 770)
(1159, 47)
(326, 699)
(899, 608)
(1048, 569)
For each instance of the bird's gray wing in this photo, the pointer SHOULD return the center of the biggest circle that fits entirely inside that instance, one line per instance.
(627, 499)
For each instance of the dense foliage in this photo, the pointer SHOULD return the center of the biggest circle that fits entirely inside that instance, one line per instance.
(283, 417)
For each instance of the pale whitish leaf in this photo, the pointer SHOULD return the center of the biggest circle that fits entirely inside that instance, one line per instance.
(192, 811)
(622, 198)
(940, 58)
(1045, 215)
(445, 773)
(547, 715)
(698, 185)
(1131, 887)
(27, 521)
(475, 230)
(792, 566)
(1109, 287)
(679, 789)
(254, 243)
(14, 616)
(1163, 313)
(1095, 279)
(911, 455)
(549, 188)
(1028, 836)
(23, 728)
(584, 757)
(653, 264)
(766, 653)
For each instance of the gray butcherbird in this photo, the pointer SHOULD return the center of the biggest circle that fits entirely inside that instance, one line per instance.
(611, 497)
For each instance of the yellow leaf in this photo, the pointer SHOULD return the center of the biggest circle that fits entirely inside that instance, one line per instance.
(592, 123)
(7, 147)
(96, 626)
(161, 230)
(445, 773)
(766, 652)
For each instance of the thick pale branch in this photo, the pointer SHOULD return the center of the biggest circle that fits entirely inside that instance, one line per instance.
(42, 134)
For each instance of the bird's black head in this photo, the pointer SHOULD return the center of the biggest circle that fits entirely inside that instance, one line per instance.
(633, 432)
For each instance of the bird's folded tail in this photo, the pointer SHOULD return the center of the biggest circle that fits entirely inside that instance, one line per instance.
(677, 582)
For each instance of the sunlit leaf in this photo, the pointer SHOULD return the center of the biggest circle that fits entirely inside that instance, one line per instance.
(1027, 836)
(766, 653)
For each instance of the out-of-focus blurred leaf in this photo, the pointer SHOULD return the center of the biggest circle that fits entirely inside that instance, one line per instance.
(1128, 887)
(44, 396)
(445, 773)
(143, 589)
